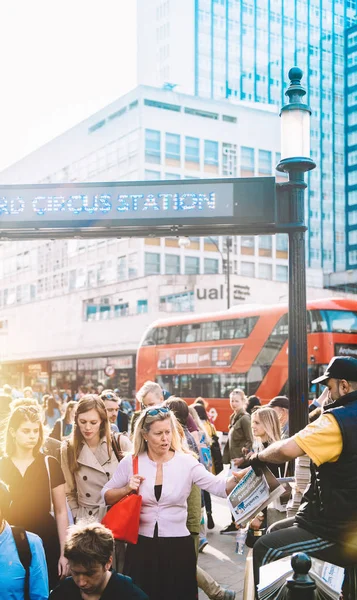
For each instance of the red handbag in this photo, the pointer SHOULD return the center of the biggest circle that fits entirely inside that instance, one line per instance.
(124, 516)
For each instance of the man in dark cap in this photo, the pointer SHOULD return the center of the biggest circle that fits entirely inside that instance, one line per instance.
(326, 522)
(281, 406)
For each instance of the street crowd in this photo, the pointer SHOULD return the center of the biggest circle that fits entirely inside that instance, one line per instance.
(67, 464)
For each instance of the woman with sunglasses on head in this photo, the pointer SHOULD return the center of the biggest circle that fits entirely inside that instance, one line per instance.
(34, 481)
(163, 562)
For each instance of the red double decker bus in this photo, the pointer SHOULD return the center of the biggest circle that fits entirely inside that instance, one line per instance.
(210, 354)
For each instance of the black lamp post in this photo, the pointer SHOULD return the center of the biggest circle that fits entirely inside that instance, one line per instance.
(295, 160)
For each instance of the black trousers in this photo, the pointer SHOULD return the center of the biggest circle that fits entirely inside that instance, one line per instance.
(285, 542)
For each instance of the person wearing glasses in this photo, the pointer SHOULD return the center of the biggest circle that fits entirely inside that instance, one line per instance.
(118, 419)
(163, 562)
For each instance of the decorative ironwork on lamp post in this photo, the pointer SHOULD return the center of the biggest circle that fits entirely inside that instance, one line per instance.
(295, 160)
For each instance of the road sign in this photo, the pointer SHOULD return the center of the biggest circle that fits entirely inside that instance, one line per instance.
(143, 208)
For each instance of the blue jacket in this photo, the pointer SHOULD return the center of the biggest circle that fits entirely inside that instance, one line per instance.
(12, 573)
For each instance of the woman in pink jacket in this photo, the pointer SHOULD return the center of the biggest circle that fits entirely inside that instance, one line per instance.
(163, 563)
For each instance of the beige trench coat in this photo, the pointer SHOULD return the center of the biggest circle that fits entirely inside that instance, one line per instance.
(83, 488)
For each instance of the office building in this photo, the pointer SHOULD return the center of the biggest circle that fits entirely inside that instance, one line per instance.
(74, 300)
(243, 50)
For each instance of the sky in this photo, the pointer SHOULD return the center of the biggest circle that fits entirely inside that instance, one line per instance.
(60, 61)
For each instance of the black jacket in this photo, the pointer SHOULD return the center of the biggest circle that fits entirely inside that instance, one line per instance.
(119, 587)
(329, 506)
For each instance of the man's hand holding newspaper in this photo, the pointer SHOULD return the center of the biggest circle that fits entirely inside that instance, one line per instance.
(253, 492)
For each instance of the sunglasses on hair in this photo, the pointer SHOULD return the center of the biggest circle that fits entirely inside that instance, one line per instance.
(109, 397)
(152, 412)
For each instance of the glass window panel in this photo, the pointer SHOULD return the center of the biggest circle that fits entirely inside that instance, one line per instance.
(152, 263)
(192, 265)
(211, 265)
(172, 146)
(211, 153)
(192, 149)
(172, 264)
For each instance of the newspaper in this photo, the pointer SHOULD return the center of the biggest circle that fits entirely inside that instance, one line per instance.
(328, 578)
(253, 493)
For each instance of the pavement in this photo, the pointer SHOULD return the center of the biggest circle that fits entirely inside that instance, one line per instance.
(219, 558)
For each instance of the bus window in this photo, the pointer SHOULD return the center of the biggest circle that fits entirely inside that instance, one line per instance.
(251, 323)
(228, 329)
(318, 321)
(282, 327)
(341, 321)
(150, 338)
(255, 376)
(211, 331)
(191, 333)
(241, 328)
(230, 381)
(174, 334)
(163, 335)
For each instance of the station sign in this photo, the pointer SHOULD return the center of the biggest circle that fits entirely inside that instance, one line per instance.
(137, 208)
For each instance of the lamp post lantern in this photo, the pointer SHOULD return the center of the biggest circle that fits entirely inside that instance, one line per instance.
(295, 160)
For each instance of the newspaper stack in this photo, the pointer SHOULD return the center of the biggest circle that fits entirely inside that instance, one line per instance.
(253, 493)
(328, 579)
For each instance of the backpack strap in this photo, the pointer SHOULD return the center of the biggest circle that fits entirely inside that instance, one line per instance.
(25, 555)
(116, 446)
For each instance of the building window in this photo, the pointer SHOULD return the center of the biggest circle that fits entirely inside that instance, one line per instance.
(247, 269)
(211, 153)
(192, 265)
(104, 312)
(192, 150)
(177, 302)
(211, 265)
(264, 161)
(142, 307)
(247, 158)
(172, 148)
(91, 312)
(282, 242)
(152, 146)
(172, 176)
(121, 268)
(152, 263)
(172, 264)
(152, 175)
(265, 245)
(264, 271)
(133, 265)
(247, 244)
(281, 273)
(121, 310)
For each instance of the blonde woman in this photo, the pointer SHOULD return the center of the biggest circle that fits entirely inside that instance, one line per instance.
(34, 481)
(163, 562)
(266, 431)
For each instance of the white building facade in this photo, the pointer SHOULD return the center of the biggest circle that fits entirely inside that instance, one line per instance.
(75, 310)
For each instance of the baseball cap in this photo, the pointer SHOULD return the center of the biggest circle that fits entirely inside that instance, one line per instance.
(339, 367)
(280, 402)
